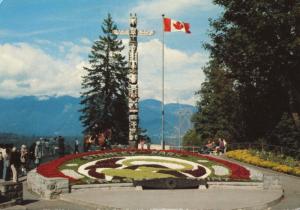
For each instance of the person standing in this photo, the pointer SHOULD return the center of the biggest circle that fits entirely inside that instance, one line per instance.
(6, 163)
(14, 163)
(61, 146)
(31, 155)
(225, 145)
(24, 159)
(142, 143)
(107, 134)
(37, 153)
(76, 147)
(1, 162)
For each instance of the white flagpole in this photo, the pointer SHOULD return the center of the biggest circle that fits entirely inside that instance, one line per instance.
(163, 85)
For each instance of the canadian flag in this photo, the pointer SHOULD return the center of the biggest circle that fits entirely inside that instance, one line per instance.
(171, 25)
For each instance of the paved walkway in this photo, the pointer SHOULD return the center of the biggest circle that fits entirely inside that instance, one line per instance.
(130, 198)
(290, 185)
(33, 202)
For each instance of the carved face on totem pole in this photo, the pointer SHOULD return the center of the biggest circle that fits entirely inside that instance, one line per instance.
(133, 78)
(133, 107)
(133, 20)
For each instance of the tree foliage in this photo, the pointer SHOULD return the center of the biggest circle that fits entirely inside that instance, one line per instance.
(105, 87)
(216, 109)
(256, 46)
(191, 138)
(285, 133)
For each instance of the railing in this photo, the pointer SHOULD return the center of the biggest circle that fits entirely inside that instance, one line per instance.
(250, 145)
(193, 149)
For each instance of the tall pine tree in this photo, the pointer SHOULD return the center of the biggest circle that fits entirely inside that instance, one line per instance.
(105, 87)
(257, 44)
(216, 115)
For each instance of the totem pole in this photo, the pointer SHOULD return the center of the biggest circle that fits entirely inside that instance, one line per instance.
(133, 76)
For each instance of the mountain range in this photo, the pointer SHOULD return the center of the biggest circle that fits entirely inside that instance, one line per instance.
(52, 116)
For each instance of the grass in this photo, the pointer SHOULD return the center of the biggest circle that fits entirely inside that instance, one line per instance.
(143, 173)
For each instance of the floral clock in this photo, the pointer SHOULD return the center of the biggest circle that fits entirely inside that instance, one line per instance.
(130, 165)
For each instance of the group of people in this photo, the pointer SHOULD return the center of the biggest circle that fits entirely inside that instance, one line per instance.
(214, 146)
(12, 161)
(15, 162)
(144, 141)
(102, 139)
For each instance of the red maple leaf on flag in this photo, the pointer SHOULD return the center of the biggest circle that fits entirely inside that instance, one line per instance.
(178, 25)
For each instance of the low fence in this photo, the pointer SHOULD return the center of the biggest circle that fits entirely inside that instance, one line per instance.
(280, 150)
(194, 149)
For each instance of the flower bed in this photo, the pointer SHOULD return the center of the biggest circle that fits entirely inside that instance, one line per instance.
(129, 165)
(248, 157)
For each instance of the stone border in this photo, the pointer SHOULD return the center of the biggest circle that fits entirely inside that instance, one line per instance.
(47, 188)
(8, 204)
(236, 185)
(106, 186)
(11, 193)
(51, 188)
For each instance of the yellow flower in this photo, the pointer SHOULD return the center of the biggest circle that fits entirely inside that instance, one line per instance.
(283, 168)
(296, 171)
(254, 159)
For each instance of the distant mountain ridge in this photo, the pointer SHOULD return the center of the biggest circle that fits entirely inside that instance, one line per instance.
(51, 116)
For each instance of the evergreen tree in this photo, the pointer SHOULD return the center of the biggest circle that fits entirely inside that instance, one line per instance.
(217, 108)
(191, 138)
(287, 135)
(257, 43)
(105, 87)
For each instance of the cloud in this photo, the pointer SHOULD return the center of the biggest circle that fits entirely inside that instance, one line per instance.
(86, 41)
(155, 8)
(183, 72)
(28, 70)
(22, 34)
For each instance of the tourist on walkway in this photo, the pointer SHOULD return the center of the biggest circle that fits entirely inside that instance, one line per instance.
(76, 147)
(100, 140)
(108, 135)
(208, 148)
(142, 143)
(61, 146)
(87, 143)
(225, 145)
(1, 163)
(24, 159)
(37, 153)
(14, 163)
(31, 154)
(220, 147)
(6, 163)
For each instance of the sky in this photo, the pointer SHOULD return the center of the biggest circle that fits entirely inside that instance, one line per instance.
(44, 45)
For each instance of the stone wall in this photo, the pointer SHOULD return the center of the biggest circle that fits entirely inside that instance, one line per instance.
(47, 188)
(11, 192)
